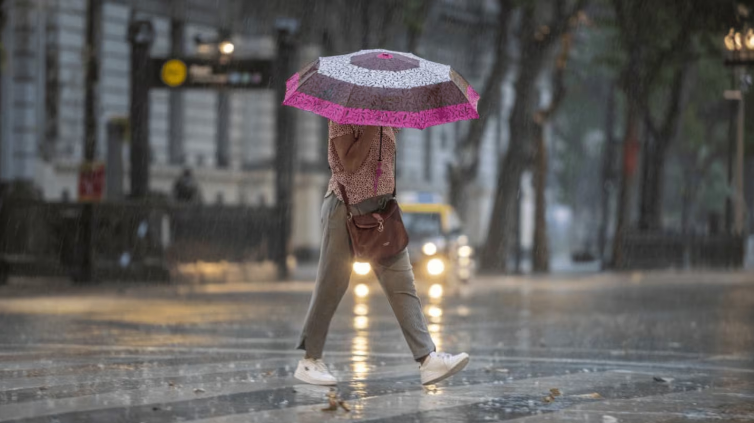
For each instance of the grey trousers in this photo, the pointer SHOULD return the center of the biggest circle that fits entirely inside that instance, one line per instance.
(335, 263)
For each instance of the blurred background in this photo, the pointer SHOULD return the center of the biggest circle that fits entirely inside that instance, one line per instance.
(146, 139)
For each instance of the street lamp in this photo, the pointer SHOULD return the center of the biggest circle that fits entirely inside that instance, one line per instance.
(226, 47)
(740, 46)
(223, 44)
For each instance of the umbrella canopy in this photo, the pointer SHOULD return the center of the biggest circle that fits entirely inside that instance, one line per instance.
(382, 88)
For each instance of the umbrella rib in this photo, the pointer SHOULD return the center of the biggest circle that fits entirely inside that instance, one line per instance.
(348, 100)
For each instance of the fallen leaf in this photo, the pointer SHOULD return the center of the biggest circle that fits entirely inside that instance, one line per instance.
(609, 419)
(171, 384)
(332, 398)
(502, 370)
(548, 399)
(43, 388)
(344, 405)
(663, 379)
(199, 391)
(555, 392)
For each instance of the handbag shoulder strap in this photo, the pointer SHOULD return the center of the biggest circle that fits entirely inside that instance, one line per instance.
(395, 165)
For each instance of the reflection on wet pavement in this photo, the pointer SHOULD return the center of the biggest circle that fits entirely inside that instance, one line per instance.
(634, 348)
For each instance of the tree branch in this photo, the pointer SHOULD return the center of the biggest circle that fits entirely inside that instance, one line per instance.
(561, 21)
(469, 148)
(559, 90)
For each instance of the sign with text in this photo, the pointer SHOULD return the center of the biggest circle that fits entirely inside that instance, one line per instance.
(211, 73)
(91, 181)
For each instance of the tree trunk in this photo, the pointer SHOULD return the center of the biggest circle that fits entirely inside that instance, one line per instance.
(494, 254)
(607, 171)
(467, 151)
(688, 195)
(652, 182)
(653, 167)
(541, 253)
(541, 257)
(630, 152)
(534, 48)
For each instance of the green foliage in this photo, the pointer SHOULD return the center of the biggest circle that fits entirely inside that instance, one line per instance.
(715, 189)
(661, 36)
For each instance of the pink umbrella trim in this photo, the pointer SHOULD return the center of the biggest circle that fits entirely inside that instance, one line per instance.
(290, 86)
(345, 115)
(472, 95)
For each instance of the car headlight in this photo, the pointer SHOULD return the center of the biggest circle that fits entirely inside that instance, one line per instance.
(361, 268)
(435, 267)
(429, 248)
(465, 251)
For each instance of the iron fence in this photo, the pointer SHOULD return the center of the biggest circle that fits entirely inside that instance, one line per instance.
(131, 240)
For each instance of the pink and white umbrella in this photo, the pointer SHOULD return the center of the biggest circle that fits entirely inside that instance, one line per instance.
(382, 88)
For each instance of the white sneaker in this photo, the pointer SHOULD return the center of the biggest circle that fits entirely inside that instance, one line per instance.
(440, 366)
(314, 372)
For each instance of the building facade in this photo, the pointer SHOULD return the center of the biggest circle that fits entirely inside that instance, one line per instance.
(226, 138)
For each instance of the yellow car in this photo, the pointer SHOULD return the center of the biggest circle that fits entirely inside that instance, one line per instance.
(439, 250)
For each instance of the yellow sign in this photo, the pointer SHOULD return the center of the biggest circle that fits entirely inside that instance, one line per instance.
(173, 73)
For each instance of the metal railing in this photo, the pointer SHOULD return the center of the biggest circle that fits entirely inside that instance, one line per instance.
(662, 251)
(132, 241)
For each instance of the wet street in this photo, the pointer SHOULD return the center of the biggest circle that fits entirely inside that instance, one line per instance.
(665, 347)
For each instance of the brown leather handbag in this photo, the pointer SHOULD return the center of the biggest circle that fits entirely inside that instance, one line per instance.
(378, 235)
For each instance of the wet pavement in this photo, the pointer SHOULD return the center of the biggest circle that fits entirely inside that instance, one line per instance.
(654, 347)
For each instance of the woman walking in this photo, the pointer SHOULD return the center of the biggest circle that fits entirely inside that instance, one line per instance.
(362, 159)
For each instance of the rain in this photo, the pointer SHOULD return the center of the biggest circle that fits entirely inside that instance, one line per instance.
(389, 211)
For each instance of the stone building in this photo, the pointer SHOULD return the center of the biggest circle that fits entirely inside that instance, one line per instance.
(230, 153)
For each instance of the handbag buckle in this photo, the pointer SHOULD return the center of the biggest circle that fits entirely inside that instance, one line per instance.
(349, 216)
(380, 220)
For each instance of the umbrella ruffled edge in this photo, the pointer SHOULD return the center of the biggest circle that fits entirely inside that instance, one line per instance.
(348, 116)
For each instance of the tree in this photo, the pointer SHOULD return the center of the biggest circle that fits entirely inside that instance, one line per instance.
(701, 146)
(541, 253)
(534, 43)
(467, 151)
(658, 45)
